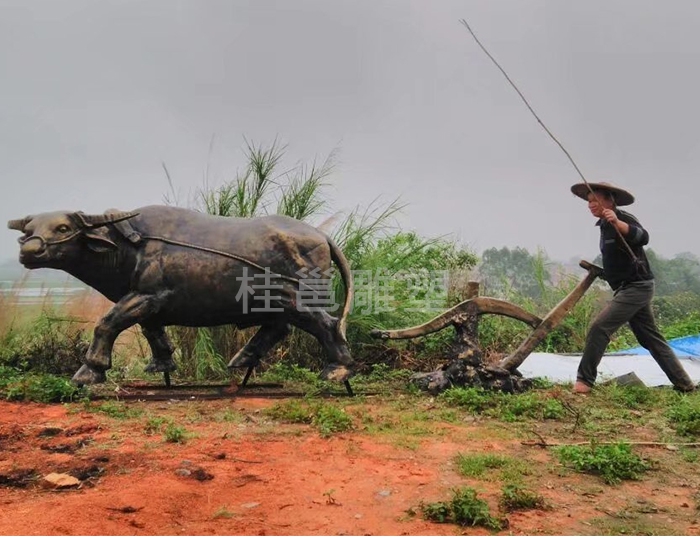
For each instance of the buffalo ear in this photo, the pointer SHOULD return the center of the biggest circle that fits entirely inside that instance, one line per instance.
(99, 243)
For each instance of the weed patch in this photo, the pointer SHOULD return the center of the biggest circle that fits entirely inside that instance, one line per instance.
(43, 388)
(116, 410)
(175, 434)
(476, 465)
(612, 463)
(382, 377)
(327, 418)
(629, 397)
(514, 498)
(685, 415)
(154, 425)
(465, 509)
(472, 399)
(506, 407)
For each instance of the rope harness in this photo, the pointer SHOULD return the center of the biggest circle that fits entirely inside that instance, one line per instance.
(135, 238)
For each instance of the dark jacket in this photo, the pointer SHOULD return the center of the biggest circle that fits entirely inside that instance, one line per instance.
(618, 265)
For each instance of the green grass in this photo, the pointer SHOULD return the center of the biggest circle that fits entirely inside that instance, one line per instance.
(476, 465)
(175, 434)
(328, 419)
(154, 425)
(118, 410)
(684, 415)
(505, 407)
(613, 463)
(514, 498)
(464, 509)
(43, 388)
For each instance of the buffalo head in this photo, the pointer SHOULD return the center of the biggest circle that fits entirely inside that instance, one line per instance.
(56, 238)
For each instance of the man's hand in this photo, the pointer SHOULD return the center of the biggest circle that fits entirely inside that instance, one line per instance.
(610, 216)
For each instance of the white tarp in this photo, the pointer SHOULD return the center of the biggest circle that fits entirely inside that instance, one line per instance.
(562, 368)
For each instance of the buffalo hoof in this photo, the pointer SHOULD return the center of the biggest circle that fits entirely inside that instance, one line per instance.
(160, 366)
(243, 360)
(87, 375)
(336, 372)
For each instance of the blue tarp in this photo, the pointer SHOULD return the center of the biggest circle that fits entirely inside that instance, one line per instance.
(687, 346)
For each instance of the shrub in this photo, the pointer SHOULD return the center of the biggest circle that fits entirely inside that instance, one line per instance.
(44, 388)
(465, 509)
(175, 434)
(330, 419)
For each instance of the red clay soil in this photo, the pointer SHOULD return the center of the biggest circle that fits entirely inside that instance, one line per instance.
(255, 478)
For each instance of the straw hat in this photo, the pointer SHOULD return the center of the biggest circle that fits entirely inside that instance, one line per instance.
(622, 197)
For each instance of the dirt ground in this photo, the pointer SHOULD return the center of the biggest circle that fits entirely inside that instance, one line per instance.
(239, 473)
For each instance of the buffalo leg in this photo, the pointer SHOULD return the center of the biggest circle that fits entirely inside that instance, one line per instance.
(257, 347)
(131, 309)
(325, 328)
(162, 349)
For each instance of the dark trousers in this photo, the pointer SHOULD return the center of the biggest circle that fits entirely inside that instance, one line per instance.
(631, 304)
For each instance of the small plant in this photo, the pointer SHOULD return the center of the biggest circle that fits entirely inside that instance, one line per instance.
(329, 497)
(175, 434)
(629, 397)
(383, 376)
(465, 509)
(514, 497)
(117, 410)
(531, 405)
(439, 512)
(685, 415)
(43, 388)
(154, 425)
(472, 399)
(330, 419)
(223, 513)
(475, 465)
(286, 372)
(292, 411)
(541, 383)
(228, 415)
(612, 463)
(689, 455)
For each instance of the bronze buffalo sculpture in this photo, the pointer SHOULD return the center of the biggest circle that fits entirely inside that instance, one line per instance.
(165, 266)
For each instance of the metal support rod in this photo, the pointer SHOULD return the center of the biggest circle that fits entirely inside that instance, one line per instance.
(247, 375)
(348, 388)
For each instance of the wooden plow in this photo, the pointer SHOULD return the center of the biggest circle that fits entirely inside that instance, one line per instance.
(466, 367)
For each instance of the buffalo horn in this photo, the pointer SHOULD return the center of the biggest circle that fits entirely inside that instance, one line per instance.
(19, 224)
(95, 221)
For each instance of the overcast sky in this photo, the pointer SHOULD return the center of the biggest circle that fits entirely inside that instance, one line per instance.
(96, 94)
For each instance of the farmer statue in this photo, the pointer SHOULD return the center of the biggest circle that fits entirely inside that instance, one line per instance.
(626, 269)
